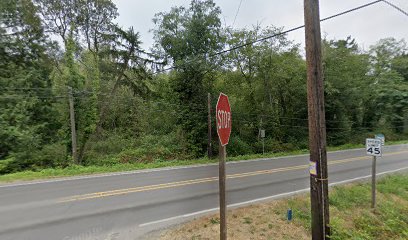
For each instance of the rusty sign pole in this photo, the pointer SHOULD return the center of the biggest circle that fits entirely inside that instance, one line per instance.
(317, 124)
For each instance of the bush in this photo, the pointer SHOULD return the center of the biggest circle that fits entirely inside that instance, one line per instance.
(155, 148)
(54, 155)
(114, 143)
(238, 147)
(102, 151)
(274, 146)
(4, 163)
(50, 156)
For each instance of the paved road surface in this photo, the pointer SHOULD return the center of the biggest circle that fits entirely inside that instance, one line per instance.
(128, 205)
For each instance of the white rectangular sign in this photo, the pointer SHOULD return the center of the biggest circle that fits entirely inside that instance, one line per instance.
(374, 147)
(262, 133)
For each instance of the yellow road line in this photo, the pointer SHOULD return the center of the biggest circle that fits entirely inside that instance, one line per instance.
(137, 189)
(203, 180)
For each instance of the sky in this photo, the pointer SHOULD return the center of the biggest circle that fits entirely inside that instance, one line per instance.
(366, 25)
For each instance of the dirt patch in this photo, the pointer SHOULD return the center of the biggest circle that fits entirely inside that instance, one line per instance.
(261, 221)
(351, 217)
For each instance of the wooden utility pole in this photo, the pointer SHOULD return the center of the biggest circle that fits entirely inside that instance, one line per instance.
(73, 130)
(317, 124)
(223, 205)
(209, 145)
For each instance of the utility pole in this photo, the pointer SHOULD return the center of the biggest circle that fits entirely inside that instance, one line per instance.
(73, 130)
(209, 145)
(317, 124)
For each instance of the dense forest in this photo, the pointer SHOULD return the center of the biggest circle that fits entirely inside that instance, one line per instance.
(141, 105)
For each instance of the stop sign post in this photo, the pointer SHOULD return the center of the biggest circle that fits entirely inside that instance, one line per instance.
(223, 120)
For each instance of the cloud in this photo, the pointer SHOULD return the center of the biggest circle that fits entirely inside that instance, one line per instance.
(367, 25)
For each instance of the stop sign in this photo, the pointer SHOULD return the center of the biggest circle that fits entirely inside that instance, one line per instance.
(223, 118)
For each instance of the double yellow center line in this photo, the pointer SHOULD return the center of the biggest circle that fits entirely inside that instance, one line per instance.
(201, 180)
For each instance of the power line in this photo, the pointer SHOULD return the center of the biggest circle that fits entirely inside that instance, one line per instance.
(282, 33)
(344, 130)
(296, 28)
(32, 97)
(350, 10)
(278, 34)
(396, 7)
(25, 88)
(236, 14)
(87, 94)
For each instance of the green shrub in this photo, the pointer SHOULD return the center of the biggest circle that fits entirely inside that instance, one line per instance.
(102, 152)
(112, 144)
(4, 163)
(54, 155)
(154, 148)
(272, 145)
(50, 156)
(237, 146)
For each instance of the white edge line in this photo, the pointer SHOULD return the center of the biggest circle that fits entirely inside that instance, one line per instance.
(178, 217)
(265, 198)
(5, 185)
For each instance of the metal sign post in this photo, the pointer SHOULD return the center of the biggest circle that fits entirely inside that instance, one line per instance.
(223, 203)
(263, 140)
(373, 181)
(223, 119)
(373, 148)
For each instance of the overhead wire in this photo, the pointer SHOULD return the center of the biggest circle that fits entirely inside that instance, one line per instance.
(236, 14)
(396, 7)
(278, 34)
(229, 50)
(87, 94)
(262, 38)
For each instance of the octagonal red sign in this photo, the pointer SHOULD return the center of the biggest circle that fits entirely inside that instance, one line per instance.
(223, 119)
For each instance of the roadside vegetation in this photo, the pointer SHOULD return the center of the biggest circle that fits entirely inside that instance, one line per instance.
(351, 216)
(114, 165)
(132, 114)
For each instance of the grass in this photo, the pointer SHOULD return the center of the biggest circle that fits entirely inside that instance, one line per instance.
(354, 220)
(350, 216)
(76, 170)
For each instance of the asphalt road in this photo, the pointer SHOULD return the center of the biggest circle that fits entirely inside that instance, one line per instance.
(128, 205)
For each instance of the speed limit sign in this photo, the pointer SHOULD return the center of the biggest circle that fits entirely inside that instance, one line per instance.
(374, 147)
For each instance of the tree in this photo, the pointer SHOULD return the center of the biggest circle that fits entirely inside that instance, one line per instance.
(95, 22)
(99, 58)
(122, 66)
(389, 71)
(27, 117)
(59, 16)
(188, 38)
(347, 89)
(268, 82)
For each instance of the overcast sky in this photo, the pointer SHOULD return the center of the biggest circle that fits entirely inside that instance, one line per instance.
(367, 25)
